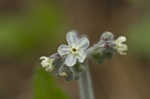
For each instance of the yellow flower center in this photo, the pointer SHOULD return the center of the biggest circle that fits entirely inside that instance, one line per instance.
(74, 49)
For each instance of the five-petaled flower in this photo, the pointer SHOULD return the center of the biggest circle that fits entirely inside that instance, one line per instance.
(120, 46)
(75, 51)
(47, 63)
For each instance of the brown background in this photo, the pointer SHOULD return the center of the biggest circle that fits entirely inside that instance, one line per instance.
(123, 77)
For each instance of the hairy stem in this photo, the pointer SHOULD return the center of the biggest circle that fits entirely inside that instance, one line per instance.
(85, 84)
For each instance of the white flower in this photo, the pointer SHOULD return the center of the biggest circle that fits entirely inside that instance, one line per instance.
(47, 63)
(76, 50)
(120, 46)
(63, 74)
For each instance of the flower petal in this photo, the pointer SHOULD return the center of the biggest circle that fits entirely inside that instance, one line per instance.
(83, 43)
(122, 49)
(71, 37)
(123, 53)
(43, 58)
(121, 39)
(70, 60)
(49, 69)
(47, 63)
(82, 56)
(63, 50)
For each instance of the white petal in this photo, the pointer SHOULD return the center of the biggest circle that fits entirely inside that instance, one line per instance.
(47, 63)
(82, 56)
(83, 43)
(43, 58)
(49, 69)
(123, 53)
(44, 64)
(122, 49)
(121, 39)
(44, 61)
(70, 60)
(63, 50)
(71, 37)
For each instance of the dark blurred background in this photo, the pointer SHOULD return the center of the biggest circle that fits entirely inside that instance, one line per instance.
(33, 28)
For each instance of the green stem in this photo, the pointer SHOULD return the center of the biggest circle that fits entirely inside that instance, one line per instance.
(85, 84)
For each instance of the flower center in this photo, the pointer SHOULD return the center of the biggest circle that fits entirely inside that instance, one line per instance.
(74, 49)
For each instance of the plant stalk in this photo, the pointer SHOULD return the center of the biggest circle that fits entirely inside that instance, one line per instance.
(85, 84)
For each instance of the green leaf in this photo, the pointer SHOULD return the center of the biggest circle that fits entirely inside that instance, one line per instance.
(45, 86)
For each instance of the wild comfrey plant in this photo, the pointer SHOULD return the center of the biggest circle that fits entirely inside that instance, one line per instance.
(71, 59)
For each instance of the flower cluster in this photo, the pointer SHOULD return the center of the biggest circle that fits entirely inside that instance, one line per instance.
(71, 58)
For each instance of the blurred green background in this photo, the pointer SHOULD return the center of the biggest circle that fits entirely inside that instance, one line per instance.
(33, 28)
